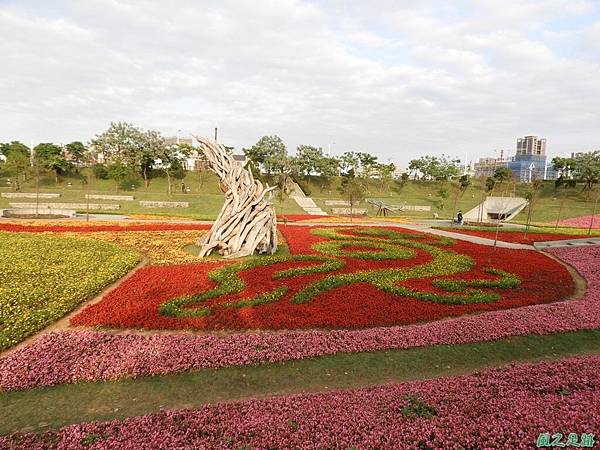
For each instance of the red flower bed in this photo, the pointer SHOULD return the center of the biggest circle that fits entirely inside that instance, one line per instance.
(17, 228)
(136, 302)
(518, 237)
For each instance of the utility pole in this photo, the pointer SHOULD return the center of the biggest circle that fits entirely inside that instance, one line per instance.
(215, 134)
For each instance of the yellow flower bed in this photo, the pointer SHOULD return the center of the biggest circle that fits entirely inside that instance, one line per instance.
(160, 247)
(43, 277)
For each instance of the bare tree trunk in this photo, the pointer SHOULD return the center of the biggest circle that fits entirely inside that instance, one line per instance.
(247, 220)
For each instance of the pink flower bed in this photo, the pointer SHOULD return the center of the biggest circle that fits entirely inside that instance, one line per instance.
(582, 222)
(506, 408)
(71, 356)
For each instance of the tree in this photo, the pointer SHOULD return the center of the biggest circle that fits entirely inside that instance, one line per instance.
(368, 164)
(310, 161)
(121, 142)
(14, 147)
(327, 168)
(461, 185)
(385, 175)
(307, 160)
(349, 161)
(531, 195)
(18, 164)
(76, 152)
(118, 172)
(587, 170)
(438, 168)
(352, 190)
(399, 183)
(100, 171)
(267, 154)
(170, 159)
(51, 157)
(151, 147)
(502, 174)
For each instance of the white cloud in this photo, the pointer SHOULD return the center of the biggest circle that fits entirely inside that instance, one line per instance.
(390, 78)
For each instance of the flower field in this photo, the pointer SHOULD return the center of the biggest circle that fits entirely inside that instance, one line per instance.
(79, 227)
(159, 247)
(336, 277)
(58, 357)
(44, 277)
(582, 222)
(506, 408)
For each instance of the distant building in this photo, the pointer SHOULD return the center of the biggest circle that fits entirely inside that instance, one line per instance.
(485, 167)
(530, 160)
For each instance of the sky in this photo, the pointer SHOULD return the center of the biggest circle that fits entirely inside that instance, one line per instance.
(398, 79)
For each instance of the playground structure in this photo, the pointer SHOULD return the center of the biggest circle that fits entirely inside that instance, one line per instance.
(383, 209)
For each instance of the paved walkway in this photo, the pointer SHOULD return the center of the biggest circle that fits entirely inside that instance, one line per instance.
(567, 243)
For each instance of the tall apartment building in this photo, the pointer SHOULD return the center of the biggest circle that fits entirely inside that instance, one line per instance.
(531, 145)
(530, 160)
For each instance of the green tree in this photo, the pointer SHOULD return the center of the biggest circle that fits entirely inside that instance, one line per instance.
(14, 147)
(587, 170)
(531, 195)
(502, 174)
(118, 172)
(76, 152)
(368, 164)
(18, 165)
(121, 142)
(327, 168)
(349, 161)
(352, 190)
(51, 157)
(460, 186)
(267, 154)
(171, 160)
(438, 168)
(385, 175)
(307, 160)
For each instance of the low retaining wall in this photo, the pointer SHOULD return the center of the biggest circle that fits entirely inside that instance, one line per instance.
(28, 195)
(109, 197)
(150, 204)
(76, 206)
(416, 208)
(28, 212)
(337, 203)
(345, 211)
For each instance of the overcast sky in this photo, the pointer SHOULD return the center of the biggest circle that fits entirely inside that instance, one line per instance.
(388, 77)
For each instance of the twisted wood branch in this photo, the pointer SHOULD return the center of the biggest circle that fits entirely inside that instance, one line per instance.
(247, 220)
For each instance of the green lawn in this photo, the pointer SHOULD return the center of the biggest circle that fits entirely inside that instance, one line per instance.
(206, 199)
(425, 193)
(44, 408)
(44, 277)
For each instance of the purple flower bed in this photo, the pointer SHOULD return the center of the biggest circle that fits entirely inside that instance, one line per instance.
(582, 221)
(70, 356)
(506, 408)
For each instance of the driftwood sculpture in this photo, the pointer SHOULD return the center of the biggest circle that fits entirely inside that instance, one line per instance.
(247, 221)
